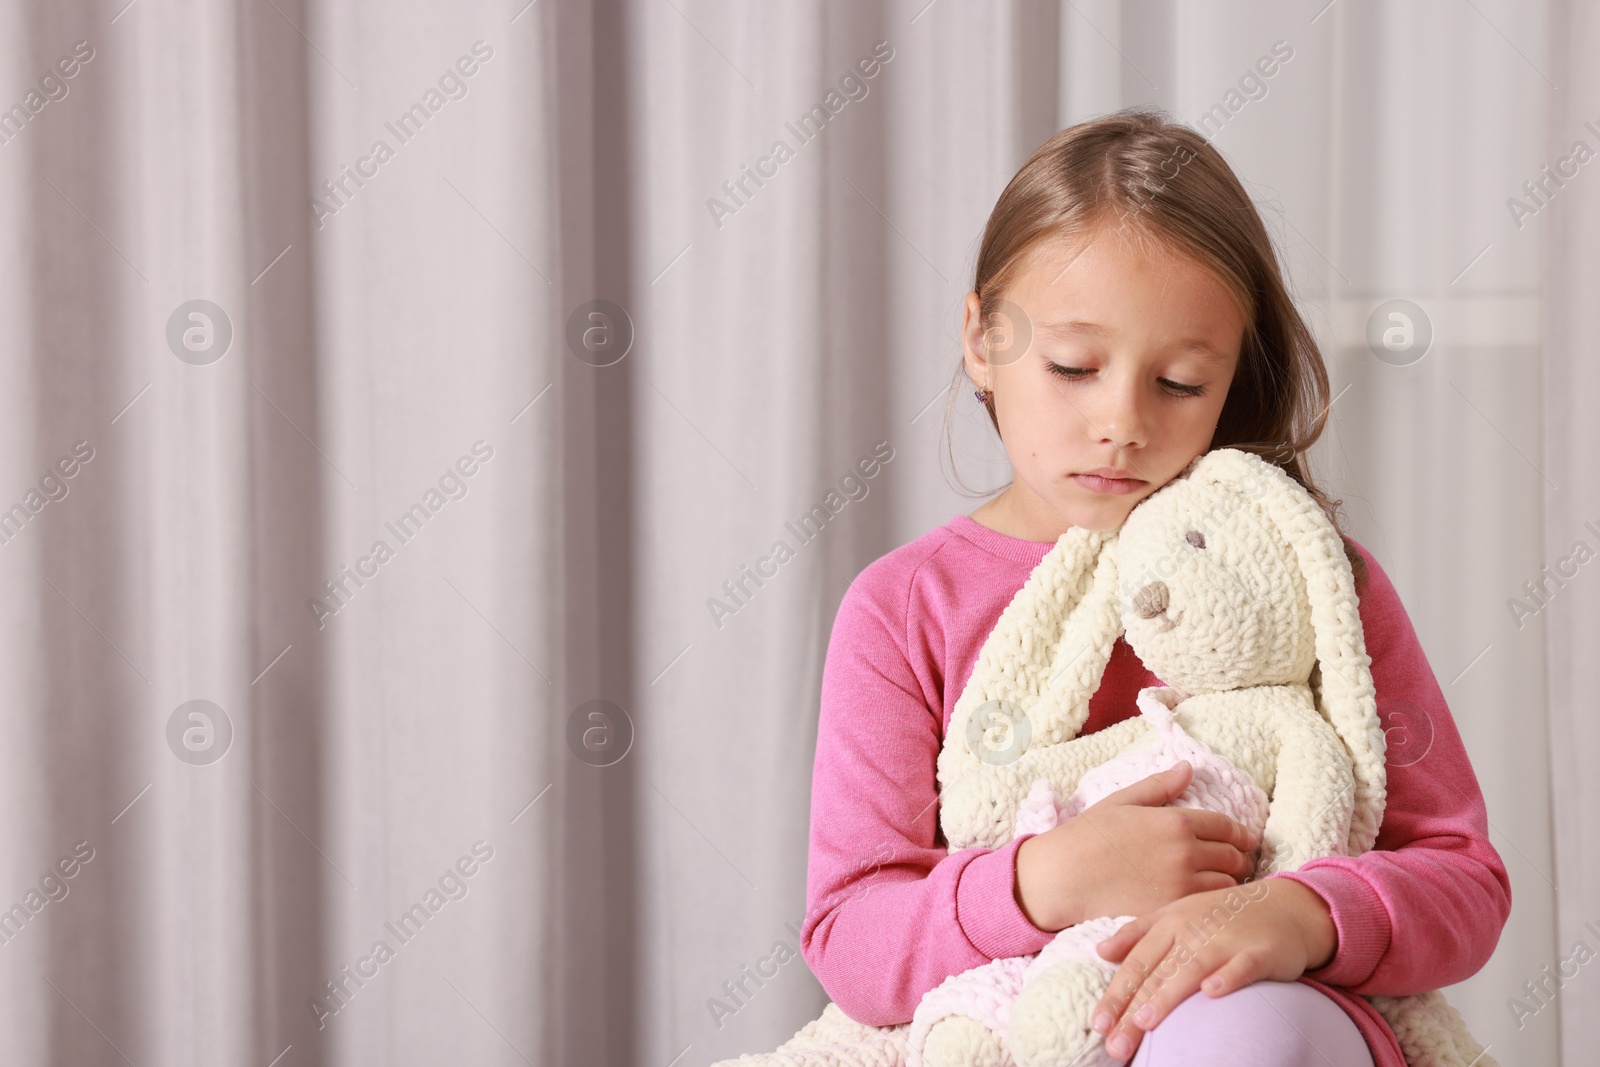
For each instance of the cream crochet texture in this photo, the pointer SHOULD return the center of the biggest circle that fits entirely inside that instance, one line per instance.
(1234, 589)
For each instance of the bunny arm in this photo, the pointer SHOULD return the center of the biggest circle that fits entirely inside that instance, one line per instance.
(1275, 734)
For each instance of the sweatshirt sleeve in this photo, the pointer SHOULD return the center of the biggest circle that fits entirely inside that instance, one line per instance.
(1424, 907)
(890, 913)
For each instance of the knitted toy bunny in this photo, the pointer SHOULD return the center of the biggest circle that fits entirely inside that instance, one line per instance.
(1236, 590)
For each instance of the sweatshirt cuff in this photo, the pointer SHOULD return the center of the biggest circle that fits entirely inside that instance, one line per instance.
(1359, 917)
(987, 910)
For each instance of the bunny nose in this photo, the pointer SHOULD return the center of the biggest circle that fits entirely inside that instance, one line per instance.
(1151, 600)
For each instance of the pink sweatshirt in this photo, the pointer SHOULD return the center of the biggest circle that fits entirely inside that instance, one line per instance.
(891, 913)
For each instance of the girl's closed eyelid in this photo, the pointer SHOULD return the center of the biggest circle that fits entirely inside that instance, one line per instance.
(1075, 374)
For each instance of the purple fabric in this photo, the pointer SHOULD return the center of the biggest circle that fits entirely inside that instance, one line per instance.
(1265, 1024)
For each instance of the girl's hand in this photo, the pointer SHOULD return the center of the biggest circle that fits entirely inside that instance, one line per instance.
(1219, 940)
(1084, 868)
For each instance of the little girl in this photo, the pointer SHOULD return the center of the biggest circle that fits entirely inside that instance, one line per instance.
(1128, 314)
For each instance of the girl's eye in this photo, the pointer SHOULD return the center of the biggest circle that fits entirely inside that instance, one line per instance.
(1073, 374)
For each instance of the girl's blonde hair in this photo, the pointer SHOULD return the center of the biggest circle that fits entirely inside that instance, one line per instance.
(1164, 186)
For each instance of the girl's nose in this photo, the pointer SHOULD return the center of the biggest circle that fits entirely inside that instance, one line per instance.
(1123, 421)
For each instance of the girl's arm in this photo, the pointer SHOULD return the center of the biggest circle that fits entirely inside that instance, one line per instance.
(890, 913)
(1424, 908)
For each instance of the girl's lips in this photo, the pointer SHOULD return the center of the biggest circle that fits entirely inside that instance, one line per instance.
(1118, 486)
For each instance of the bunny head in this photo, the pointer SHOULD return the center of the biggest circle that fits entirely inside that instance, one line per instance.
(1232, 575)
(1212, 594)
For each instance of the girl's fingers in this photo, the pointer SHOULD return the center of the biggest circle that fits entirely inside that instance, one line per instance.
(1123, 1039)
(1133, 984)
(1191, 974)
(1236, 973)
(1128, 934)
(1109, 1008)
(1185, 973)
(1175, 978)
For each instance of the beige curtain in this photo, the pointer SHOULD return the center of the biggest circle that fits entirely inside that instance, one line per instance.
(395, 396)
(1568, 619)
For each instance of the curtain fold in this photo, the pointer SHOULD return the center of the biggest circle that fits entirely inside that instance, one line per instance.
(1568, 619)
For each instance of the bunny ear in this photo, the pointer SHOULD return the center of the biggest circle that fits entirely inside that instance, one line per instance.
(1342, 683)
(1042, 661)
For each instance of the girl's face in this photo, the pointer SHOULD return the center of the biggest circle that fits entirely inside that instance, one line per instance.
(1107, 356)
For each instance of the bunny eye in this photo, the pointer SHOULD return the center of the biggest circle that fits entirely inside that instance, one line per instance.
(1195, 538)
